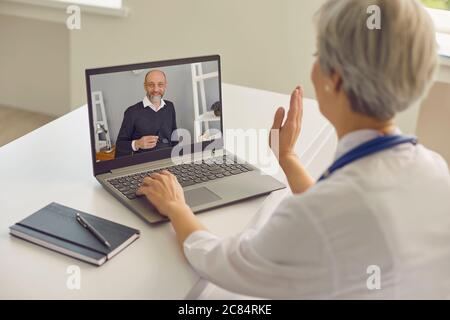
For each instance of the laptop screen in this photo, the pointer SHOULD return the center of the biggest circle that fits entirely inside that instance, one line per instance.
(140, 113)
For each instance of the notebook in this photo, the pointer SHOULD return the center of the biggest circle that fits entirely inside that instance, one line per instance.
(55, 227)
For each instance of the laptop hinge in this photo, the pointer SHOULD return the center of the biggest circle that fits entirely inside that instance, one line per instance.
(192, 157)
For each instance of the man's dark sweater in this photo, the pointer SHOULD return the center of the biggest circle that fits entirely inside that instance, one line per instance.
(139, 121)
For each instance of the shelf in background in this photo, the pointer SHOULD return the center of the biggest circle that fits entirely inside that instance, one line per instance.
(208, 116)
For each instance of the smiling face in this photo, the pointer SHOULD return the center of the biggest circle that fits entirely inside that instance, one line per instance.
(155, 85)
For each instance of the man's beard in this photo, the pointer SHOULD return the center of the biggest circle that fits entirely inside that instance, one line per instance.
(155, 99)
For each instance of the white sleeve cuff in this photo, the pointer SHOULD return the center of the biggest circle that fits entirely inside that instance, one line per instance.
(133, 145)
(196, 238)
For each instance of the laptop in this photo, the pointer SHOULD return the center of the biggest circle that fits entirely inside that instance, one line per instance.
(166, 115)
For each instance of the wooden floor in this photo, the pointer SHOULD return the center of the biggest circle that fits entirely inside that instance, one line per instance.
(15, 123)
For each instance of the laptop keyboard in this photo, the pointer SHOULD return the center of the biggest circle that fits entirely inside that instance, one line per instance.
(187, 174)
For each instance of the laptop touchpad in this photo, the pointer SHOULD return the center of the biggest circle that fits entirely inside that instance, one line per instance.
(200, 196)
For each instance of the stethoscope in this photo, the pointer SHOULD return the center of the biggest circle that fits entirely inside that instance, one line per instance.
(368, 148)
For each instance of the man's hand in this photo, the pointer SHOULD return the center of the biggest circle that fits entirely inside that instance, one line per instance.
(164, 192)
(289, 131)
(146, 142)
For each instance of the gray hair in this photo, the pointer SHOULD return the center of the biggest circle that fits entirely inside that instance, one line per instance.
(384, 71)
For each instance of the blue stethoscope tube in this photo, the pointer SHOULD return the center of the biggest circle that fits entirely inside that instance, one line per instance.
(368, 148)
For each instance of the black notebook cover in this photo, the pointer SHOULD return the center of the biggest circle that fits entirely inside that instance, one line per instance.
(55, 227)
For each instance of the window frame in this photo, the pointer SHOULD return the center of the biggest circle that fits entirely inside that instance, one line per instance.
(112, 4)
(441, 20)
(55, 10)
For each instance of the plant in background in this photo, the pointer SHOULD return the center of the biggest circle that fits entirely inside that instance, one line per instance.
(437, 4)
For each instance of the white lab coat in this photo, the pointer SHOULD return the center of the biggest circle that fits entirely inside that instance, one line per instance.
(390, 211)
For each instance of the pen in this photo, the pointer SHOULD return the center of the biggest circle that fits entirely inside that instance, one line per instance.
(88, 226)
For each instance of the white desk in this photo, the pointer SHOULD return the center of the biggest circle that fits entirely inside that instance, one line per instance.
(53, 163)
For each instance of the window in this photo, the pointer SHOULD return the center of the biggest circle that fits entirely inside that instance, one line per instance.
(437, 4)
(116, 4)
(440, 12)
(50, 9)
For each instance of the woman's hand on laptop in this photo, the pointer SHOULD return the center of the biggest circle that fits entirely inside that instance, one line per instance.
(166, 194)
(164, 191)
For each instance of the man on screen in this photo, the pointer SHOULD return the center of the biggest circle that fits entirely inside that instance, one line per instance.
(148, 125)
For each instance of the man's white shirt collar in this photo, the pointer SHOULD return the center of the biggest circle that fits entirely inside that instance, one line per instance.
(353, 139)
(147, 103)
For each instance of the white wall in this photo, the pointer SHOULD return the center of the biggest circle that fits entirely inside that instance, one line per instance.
(264, 44)
(433, 127)
(34, 65)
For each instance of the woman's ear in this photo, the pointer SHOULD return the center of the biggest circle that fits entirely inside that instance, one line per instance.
(336, 80)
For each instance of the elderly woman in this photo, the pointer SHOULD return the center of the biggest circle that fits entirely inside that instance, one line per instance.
(377, 224)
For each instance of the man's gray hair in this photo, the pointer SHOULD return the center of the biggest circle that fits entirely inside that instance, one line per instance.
(384, 71)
